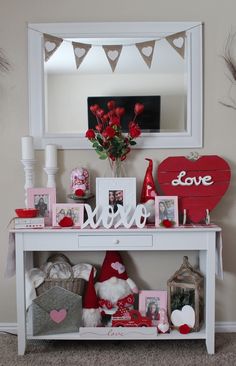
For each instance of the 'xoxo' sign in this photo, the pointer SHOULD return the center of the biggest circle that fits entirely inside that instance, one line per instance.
(123, 216)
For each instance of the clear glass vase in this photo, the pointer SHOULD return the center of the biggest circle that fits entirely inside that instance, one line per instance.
(117, 168)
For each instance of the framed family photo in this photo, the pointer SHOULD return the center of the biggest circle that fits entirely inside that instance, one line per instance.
(42, 199)
(74, 211)
(150, 303)
(115, 191)
(166, 208)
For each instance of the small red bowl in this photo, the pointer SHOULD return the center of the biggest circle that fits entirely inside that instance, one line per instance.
(26, 212)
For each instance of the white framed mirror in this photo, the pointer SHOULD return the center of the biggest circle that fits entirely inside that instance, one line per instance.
(58, 91)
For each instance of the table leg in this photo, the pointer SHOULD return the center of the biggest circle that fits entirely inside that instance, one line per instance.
(20, 294)
(210, 293)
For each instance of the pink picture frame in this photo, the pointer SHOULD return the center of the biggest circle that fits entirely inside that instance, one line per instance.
(73, 210)
(166, 208)
(150, 303)
(42, 199)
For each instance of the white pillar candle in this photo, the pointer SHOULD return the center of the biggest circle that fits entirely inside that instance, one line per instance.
(27, 148)
(51, 156)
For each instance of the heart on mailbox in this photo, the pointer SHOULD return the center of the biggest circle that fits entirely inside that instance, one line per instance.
(58, 315)
(199, 184)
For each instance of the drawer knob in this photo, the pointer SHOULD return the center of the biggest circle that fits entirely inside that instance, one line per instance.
(116, 241)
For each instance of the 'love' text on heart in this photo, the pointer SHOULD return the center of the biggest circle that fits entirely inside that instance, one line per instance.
(189, 181)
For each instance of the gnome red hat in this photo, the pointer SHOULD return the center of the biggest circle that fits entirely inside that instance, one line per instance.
(148, 190)
(112, 267)
(90, 300)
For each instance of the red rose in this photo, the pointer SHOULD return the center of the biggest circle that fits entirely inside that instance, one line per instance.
(120, 111)
(109, 132)
(100, 113)
(167, 223)
(111, 104)
(99, 127)
(79, 192)
(138, 108)
(94, 108)
(134, 130)
(114, 121)
(90, 134)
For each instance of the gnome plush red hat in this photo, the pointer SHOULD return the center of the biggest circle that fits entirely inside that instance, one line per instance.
(148, 190)
(91, 313)
(113, 267)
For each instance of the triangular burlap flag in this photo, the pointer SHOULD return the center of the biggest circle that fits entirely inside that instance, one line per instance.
(113, 53)
(177, 41)
(51, 44)
(146, 50)
(80, 51)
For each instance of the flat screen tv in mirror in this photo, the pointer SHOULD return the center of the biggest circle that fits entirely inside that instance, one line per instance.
(148, 121)
(59, 88)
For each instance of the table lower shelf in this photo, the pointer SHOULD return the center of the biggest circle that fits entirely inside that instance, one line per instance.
(121, 333)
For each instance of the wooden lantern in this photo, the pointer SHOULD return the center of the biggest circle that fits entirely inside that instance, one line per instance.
(186, 287)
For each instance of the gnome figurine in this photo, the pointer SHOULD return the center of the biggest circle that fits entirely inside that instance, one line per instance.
(91, 315)
(148, 192)
(114, 289)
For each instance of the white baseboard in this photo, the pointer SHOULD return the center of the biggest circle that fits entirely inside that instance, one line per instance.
(221, 327)
(8, 327)
(225, 327)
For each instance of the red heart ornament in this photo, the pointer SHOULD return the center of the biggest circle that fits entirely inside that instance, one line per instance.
(200, 184)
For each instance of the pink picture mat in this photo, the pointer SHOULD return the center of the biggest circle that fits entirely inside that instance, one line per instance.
(169, 211)
(148, 296)
(42, 199)
(73, 210)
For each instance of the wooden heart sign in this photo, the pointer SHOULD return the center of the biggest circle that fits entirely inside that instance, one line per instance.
(200, 184)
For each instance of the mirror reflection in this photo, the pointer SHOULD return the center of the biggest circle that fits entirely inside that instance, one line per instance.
(67, 88)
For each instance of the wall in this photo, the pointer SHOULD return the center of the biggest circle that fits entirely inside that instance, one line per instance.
(219, 126)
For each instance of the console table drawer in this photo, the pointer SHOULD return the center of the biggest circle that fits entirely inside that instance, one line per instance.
(115, 241)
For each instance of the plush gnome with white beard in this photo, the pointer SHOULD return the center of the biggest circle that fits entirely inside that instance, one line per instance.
(148, 192)
(91, 314)
(114, 289)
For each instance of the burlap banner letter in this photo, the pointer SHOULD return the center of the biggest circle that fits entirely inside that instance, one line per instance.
(80, 51)
(113, 53)
(177, 41)
(146, 50)
(51, 44)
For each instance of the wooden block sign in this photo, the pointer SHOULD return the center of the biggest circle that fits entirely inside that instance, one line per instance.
(200, 184)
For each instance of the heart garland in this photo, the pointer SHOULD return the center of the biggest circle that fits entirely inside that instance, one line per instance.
(146, 50)
(80, 52)
(51, 44)
(113, 54)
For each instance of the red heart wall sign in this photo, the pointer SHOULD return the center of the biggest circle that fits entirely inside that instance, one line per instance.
(200, 184)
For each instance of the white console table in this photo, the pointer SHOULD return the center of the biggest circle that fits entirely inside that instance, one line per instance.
(196, 238)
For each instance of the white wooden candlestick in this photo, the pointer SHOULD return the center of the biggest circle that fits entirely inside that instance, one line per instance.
(29, 175)
(51, 173)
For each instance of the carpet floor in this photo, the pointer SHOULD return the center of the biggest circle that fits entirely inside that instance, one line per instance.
(122, 353)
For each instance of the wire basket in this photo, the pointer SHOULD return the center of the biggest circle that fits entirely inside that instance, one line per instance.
(75, 285)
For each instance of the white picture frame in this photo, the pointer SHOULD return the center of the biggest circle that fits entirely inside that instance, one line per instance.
(166, 208)
(123, 189)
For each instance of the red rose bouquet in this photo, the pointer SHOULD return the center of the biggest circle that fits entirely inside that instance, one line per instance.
(107, 137)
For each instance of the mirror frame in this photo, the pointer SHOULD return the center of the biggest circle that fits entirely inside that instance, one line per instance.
(191, 138)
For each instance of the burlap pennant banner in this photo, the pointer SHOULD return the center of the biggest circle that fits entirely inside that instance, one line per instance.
(51, 44)
(80, 51)
(113, 54)
(146, 50)
(177, 41)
